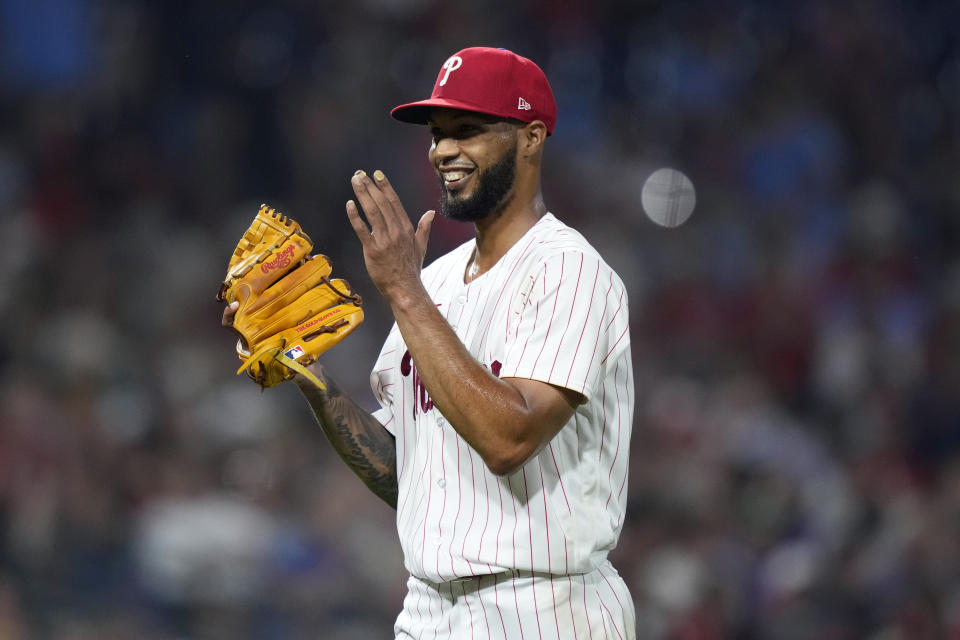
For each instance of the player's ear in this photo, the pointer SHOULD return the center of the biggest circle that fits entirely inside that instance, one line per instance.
(531, 137)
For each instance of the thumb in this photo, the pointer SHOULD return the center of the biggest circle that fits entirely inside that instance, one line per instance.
(423, 229)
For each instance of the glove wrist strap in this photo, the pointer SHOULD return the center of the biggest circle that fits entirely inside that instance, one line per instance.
(302, 370)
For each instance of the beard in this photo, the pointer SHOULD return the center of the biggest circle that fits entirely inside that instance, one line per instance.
(491, 195)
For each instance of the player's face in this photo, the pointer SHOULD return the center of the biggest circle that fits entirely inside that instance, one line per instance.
(475, 157)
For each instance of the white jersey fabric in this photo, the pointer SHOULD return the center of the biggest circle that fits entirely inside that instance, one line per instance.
(552, 310)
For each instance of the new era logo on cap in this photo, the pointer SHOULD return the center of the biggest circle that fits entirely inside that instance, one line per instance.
(497, 82)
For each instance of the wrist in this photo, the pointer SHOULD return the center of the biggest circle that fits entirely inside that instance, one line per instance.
(402, 298)
(305, 383)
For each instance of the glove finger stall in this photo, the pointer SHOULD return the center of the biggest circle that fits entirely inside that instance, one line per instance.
(311, 304)
(303, 343)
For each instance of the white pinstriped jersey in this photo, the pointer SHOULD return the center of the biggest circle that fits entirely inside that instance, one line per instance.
(549, 310)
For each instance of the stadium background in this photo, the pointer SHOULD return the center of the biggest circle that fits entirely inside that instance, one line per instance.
(795, 469)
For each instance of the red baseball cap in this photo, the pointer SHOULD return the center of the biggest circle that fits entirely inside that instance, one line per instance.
(497, 82)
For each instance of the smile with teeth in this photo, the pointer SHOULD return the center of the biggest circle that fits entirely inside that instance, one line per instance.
(455, 177)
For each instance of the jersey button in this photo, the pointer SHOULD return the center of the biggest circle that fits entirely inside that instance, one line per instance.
(441, 483)
(462, 299)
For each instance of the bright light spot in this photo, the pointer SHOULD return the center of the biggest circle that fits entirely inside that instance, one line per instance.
(668, 197)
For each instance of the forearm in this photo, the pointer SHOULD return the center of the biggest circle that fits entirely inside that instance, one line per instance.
(504, 421)
(489, 413)
(357, 437)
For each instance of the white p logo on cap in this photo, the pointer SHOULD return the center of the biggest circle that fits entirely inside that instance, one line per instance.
(452, 64)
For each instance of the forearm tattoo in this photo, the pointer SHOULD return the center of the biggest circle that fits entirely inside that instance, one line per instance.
(357, 437)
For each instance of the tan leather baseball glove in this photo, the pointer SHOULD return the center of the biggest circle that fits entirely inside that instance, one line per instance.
(290, 311)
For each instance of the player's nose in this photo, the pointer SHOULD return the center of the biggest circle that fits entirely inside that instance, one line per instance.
(444, 149)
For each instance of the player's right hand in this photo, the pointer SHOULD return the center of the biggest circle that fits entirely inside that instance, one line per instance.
(228, 313)
(392, 249)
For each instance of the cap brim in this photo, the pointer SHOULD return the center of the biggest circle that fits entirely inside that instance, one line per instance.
(419, 112)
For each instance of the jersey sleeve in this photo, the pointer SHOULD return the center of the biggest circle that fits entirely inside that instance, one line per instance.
(382, 383)
(573, 321)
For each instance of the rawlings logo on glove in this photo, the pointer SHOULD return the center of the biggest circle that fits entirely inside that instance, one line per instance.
(289, 310)
(282, 259)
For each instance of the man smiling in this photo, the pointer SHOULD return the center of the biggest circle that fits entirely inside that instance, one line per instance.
(505, 385)
(489, 195)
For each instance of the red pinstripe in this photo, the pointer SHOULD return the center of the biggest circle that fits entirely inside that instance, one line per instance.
(473, 516)
(486, 522)
(419, 614)
(586, 609)
(516, 600)
(449, 628)
(456, 518)
(403, 430)
(617, 312)
(483, 607)
(403, 425)
(440, 617)
(422, 498)
(443, 506)
(573, 618)
(596, 276)
(533, 585)
(573, 305)
(426, 514)
(623, 484)
(464, 306)
(536, 318)
(559, 477)
(496, 602)
(603, 429)
(612, 621)
(469, 608)
(546, 519)
(496, 549)
(516, 263)
(617, 450)
(612, 590)
(552, 315)
(526, 301)
(477, 307)
(600, 330)
(603, 619)
(622, 334)
(516, 521)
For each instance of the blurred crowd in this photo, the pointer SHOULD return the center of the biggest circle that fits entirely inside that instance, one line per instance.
(796, 448)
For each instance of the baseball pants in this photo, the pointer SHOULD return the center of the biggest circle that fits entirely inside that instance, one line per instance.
(519, 605)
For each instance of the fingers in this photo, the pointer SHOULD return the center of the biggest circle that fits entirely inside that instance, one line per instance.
(423, 230)
(380, 202)
(228, 314)
(379, 219)
(357, 222)
(390, 197)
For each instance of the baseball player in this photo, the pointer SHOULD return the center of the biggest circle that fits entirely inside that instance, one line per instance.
(505, 385)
